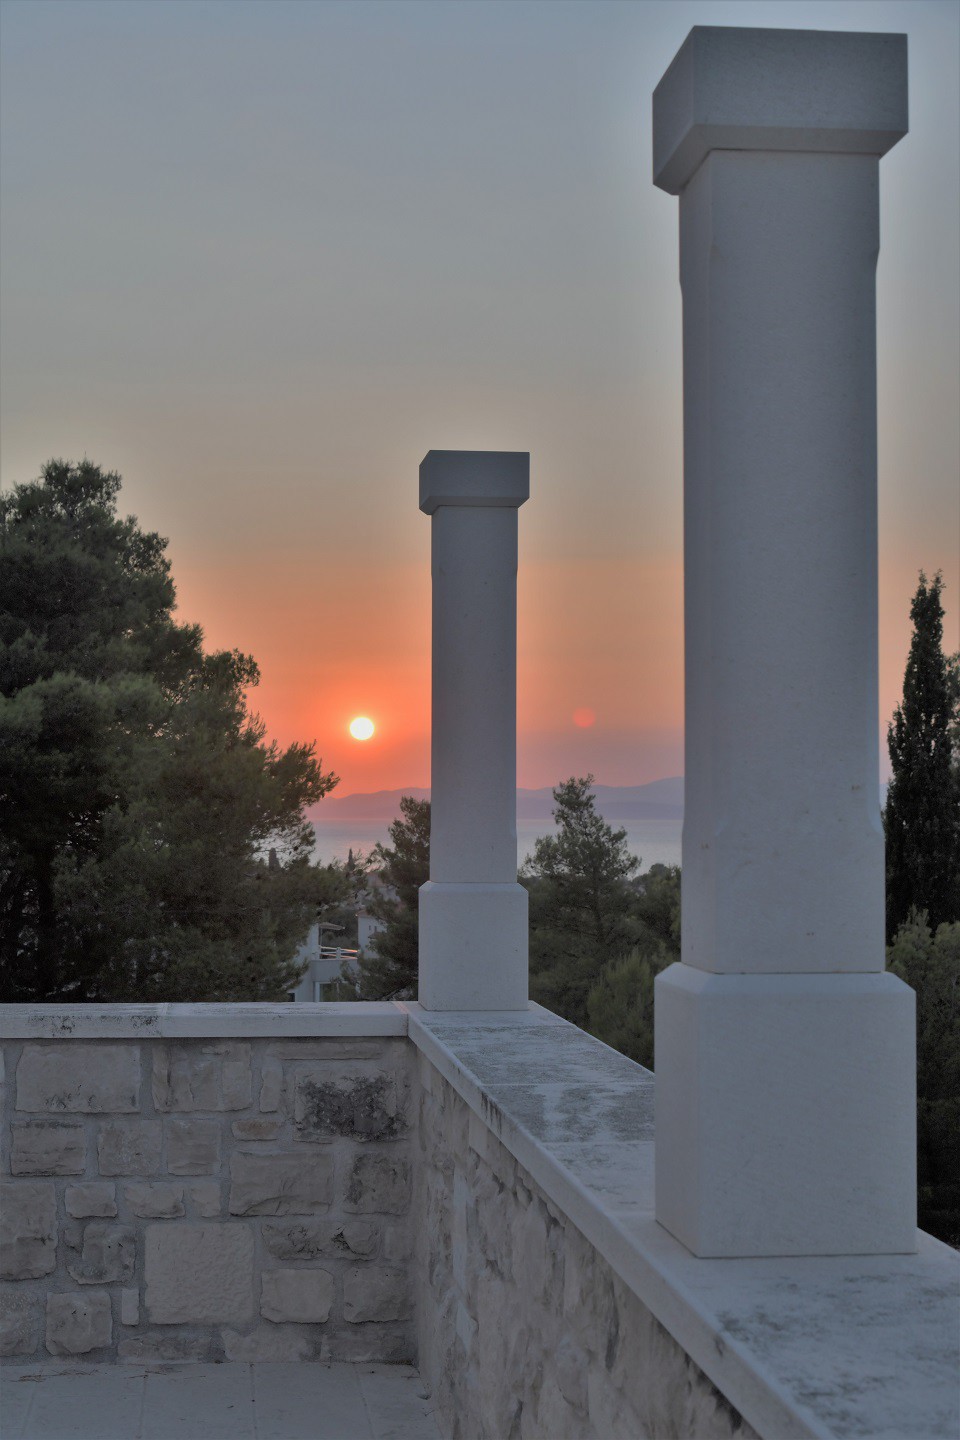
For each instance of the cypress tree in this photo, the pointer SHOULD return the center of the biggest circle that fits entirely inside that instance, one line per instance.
(922, 816)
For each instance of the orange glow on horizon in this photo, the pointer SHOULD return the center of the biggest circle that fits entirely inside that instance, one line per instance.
(319, 649)
(607, 628)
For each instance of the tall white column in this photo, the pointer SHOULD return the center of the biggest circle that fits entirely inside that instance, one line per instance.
(473, 914)
(784, 1054)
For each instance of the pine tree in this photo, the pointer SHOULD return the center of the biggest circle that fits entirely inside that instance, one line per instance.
(922, 816)
(389, 971)
(931, 965)
(138, 795)
(581, 903)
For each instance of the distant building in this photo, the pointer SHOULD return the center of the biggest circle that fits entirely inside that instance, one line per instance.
(323, 960)
(367, 926)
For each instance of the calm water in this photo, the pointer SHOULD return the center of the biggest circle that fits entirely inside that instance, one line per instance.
(654, 841)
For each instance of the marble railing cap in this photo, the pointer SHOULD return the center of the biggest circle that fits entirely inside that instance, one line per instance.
(474, 477)
(730, 88)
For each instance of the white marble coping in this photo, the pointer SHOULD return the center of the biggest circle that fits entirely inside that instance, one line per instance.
(179, 1021)
(843, 1346)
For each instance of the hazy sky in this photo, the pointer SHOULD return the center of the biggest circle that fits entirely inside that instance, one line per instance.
(261, 257)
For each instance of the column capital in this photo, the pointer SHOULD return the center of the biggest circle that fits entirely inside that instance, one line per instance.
(474, 477)
(729, 88)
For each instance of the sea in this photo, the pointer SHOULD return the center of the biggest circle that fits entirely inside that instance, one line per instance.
(654, 842)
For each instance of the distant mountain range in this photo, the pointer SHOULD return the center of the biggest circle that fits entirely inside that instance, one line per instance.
(658, 800)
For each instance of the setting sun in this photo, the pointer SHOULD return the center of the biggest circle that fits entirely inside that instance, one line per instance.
(361, 728)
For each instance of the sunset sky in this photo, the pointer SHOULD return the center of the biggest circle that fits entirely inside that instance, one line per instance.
(261, 257)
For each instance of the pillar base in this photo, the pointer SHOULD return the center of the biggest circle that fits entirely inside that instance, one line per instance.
(786, 1113)
(473, 947)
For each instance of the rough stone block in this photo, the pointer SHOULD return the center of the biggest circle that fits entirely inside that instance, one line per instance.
(302, 1296)
(258, 1127)
(273, 1343)
(129, 1147)
(129, 1307)
(359, 1236)
(357, 1101)
(206, 1198)
(28, 1230)
(109, 1253)
(19, 1321)
(397, 1242)
(572, 1369)
(48, 1147)
(93, 1079)
(155, 1202)
(193, 1147)
(488, 1148)
(77, 1323)
(280, 1184)
(309, 1239)
(465, 1327)
(374, 1293)
(325, 1047)
(96, 1198)
(209, 1075)
(387, 1344)
(271, 1085)
(169, 1346)
(199, 1274)
(71, 1233)
(379, 1183)
(425, 1073)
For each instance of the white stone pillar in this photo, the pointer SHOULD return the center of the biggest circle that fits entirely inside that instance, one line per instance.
(784, 1054)
(473, 914)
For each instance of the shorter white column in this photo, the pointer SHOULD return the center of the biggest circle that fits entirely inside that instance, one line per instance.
(473, 914)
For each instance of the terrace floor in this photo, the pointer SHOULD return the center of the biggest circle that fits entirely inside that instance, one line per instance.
(214, 1402)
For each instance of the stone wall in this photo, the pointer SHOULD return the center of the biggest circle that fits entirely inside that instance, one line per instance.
(207, 1199)
(524, 1330)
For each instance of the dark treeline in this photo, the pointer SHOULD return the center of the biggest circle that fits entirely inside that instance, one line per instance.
(922, 825)
(139, 798)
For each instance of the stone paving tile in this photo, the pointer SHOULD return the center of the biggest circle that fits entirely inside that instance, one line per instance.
(397, 1403)
(198, 1402)
(308, 1402)
(77, 1402)
(214, 1402)
(16, 1397)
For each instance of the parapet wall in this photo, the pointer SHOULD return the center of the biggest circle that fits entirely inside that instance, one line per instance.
(472, 1192)
(207, 1198)
(523, 1326)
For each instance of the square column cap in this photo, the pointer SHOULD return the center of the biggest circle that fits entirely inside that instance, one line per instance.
(737, 89)
(474, 477)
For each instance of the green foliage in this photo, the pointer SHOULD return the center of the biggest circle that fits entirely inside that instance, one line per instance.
(620, 1002)
(922, 815)
(930, 963)
(658, 906)
(390, 971)
(137, 795)
(348, 882)
(581, 911)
